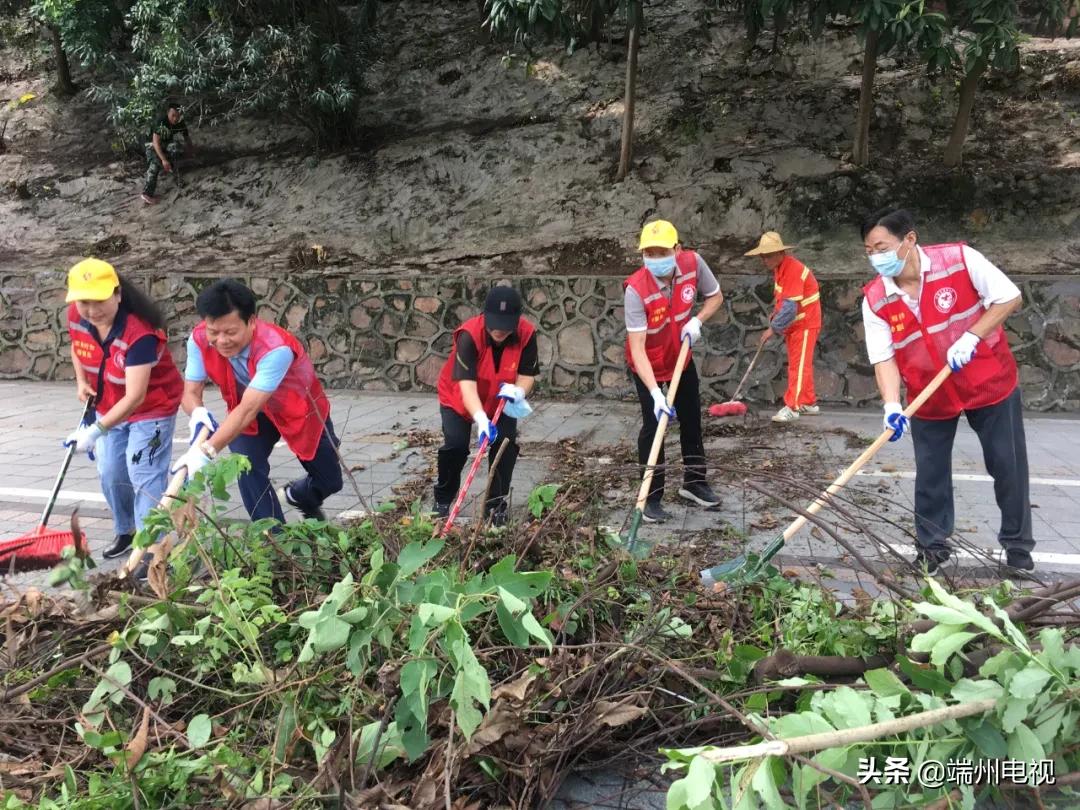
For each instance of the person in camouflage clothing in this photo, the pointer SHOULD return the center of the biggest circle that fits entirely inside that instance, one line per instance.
(163, 148)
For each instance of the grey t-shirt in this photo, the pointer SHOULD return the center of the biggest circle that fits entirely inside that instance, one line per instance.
(634, 307)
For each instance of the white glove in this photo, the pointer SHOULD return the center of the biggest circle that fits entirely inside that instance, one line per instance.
(200, 417)
(194, 460)
(512, 393)
(484, 429)
(84, 438)
(660, 405)
(895, 420)
(691, 330)
(961, 352)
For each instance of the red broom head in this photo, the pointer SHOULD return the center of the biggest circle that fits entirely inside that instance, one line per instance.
(39, 549)
(727, 409)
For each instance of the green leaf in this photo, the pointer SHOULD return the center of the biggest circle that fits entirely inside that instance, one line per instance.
(925, 642)
(945, 648)
(846, 708)
(430, 613)
(512, 603)
(884, 683)
(973, 614)
(199, 730)
(801, 724)
(1053, 646)
(511, 626)
(988, 739)
(1029, 682)
(924, 677)
(765, 785)
(699, 781)
(415, 555)
(161, 688)
(329, 634)
(1024, 745)
(1016, 710)
(969, 691)
(994, 666)
(534, 629)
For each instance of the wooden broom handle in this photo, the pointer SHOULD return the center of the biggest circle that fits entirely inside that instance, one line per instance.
(867, 454)
(661, 426)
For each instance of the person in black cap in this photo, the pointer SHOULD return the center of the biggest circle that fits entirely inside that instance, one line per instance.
(494, 357)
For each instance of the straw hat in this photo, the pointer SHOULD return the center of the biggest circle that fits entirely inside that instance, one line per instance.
(770, 242)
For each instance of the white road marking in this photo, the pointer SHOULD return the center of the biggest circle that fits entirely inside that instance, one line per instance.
(1048, 557)
(66, 496)
(1048, 482)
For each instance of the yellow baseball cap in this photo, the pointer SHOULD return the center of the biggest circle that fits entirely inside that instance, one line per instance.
(660, 233)
(770, 242)
(91, 280)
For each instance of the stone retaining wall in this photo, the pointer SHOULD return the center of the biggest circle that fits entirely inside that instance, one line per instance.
(393, 333)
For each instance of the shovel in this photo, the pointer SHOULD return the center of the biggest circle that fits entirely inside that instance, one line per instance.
(745, 567)
(42, 548)
(654, 452)
(472, 474)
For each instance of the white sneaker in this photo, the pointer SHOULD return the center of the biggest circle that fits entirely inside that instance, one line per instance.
(809, 410)
(785, 414)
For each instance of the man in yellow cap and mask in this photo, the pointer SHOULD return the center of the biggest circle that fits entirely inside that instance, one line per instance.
(658, 301)
(796, 316)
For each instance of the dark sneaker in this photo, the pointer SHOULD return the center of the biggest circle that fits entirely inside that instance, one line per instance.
(700, 493)
(654, 513)
(442, 510)
(931, 559)
(309, 512)
(1019, 560)
(498, 517)
(120, 546)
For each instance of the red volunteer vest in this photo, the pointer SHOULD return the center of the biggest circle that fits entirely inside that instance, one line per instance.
(665, 318)
(488, 380)
(298, 408)
(165, 387)
(948, 305)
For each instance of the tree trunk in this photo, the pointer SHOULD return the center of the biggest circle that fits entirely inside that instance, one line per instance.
(954, 149)
(860, 151)
(64, 85)
(628, 112)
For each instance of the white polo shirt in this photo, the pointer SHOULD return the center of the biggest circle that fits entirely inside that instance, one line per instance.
(992, 285)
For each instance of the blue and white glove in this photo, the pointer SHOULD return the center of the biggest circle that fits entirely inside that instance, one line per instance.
(484, 429)
(660, 405)
(200, 417)
(194, 460)
(961, 352)
(517, 407)
(85, 438)
(691, 330)
(895, 420)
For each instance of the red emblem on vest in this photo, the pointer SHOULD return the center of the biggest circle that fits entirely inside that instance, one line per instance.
(687, 295)
(945, 299)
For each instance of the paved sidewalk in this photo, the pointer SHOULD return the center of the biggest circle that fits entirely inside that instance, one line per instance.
(35, 417)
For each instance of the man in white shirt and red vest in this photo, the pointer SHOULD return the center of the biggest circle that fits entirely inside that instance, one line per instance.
(494, 357)
(928, 307)
(796, 316)
(657, 303)
(271, 391)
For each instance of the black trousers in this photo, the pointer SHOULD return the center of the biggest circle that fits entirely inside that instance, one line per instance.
(1000, 429)
(688, 411)
(457, 442)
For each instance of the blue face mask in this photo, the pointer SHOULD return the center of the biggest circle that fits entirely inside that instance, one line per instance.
(661, 267)
(887, 264)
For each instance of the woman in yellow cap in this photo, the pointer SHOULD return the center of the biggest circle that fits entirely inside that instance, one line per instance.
(121, 359)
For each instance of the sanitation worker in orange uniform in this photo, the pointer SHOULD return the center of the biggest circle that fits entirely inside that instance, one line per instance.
(495, 356)
(658, 301)
(796, 316)
(927, 306)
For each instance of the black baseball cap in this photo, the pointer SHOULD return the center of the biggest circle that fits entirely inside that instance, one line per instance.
(502, 309)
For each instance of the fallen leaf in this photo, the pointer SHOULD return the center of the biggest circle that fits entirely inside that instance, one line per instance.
(137, 747)
(515, 690)
(617, 714)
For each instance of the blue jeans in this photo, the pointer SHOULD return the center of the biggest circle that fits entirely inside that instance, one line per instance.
(133, 461)
(323, 477)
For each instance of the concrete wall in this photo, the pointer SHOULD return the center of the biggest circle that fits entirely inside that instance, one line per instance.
(393, 333)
